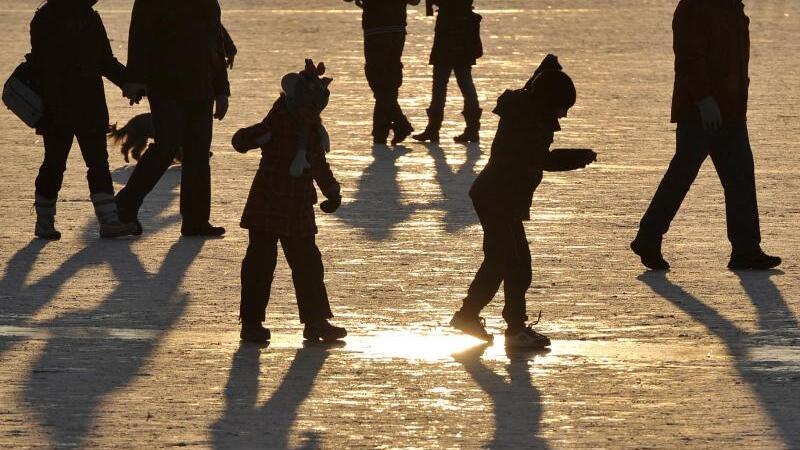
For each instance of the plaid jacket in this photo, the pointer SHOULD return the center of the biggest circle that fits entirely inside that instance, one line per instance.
(278, 203)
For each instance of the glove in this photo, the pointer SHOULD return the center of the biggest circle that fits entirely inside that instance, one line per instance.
(710, 114)
(560, 160)
(330, 205)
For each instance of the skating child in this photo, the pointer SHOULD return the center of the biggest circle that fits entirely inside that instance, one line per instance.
(281, 203)
(384, 24)
(502, 196)
(456, 48)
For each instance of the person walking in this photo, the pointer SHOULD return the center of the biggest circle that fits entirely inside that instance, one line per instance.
(711, 41)
(70, 53)
(177, 51)
(456, 48)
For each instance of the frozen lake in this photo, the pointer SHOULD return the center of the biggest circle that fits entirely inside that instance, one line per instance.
(134, 343)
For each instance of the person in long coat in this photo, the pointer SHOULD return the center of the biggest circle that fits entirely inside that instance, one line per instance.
(70, 53)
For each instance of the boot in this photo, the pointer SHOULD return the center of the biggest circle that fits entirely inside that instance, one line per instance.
(46, 219)
(753, 260)
(129, 215)
(323, 330)
(105, 208)
(402, 130)
(201, 230)
(254, 332)
(470, 134)
(431, 133)
(649, 251)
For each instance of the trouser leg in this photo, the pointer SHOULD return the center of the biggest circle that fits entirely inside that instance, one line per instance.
(384, 72)
(94, 149)
(516, 274)
(467, 87)
(258, 270)
(51, 173)
(441, 77)
(692, 148)
(308, 276)
(169, 121)
(733, 160)
(196, 167)
(490, 274)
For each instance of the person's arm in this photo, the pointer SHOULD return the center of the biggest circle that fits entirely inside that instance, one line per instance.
(323, 176)
(691, 45)
(562, 160)
(141, 39)
(110, 68)
(252, 137)
(229, 46)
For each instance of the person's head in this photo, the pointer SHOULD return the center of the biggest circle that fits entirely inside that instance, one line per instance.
(553, 92)
(306, 92)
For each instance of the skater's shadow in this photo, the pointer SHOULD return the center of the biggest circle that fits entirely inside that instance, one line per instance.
(766, 359)
(455, 186)
(248, 424)
(378, 205)
(517, 402)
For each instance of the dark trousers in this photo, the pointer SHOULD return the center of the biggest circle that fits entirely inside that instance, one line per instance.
(57, 144)
(185, 125)
(441, 77)
(507, 260)
(384, 71)
(308, 276)
(732, 156)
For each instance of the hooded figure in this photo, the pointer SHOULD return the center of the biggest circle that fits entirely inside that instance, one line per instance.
(70, 53)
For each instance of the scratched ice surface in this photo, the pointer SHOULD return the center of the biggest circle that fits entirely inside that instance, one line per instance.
(134, 344)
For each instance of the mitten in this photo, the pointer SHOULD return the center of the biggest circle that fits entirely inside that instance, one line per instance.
(331, 204)
(559, 160)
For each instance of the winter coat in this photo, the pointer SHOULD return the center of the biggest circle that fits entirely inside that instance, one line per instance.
(177, 48)
(384, 16)
(457, 40)
(712, 54)
(70, 53)
(278, 203)
(520, 154)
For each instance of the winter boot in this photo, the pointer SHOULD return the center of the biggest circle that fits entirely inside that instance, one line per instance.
(323, 330)
(431, 133)
(254, 332)
(402, 130)
(471, 132)
(105, 208)
(46, 219)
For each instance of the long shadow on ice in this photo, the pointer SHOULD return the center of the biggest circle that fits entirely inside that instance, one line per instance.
(248, 424)
(455, 185)
(517, 403)
(378, 206)
(766, 359)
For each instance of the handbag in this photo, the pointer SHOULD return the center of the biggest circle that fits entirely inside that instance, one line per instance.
(20, 96)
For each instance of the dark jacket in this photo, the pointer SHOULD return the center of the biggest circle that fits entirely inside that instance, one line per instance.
(71, 53)
(520, 154)
(177, 47)
(457, 40)
(278, 203)
(384, 16)
(712, 54)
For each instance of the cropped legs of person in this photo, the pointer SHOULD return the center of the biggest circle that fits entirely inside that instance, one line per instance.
(472, 111)
(384, 71)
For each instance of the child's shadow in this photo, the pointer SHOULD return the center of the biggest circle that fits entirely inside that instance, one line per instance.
(248, 424)
(455, 186)
(378, 206)
(517, 404)
(773, 380)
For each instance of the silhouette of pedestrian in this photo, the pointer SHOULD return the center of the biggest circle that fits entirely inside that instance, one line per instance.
(502, 196)
(177, 49)
(456, 47)
(384, 24)
(711, 40)
(70, 53)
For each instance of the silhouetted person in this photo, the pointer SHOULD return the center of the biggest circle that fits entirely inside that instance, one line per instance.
(711, 41)
(384, 24)
(177, 49)
(456, 48)
(280, 206)
(71, 53)
(502, 196)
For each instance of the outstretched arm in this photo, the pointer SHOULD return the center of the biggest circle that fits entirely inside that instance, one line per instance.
(562, 160)
(252, 137)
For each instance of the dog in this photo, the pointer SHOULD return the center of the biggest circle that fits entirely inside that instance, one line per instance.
(134, 138)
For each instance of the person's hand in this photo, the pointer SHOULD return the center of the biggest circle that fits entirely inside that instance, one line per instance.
(230, 60)
(221, 107)
(330, 205)
(591, 157)
(134, 92)
(710, 115)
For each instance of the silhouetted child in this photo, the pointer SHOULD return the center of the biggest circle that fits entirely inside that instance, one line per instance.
(281, 203)
(384, 24)
(456, 48)
(502, 196)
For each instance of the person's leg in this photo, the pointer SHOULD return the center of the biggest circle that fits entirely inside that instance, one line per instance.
(400, 125)
(472, 111)
(196, 167)
(490, 274)
(308, 276)
(257, 273)
(375, 71)
(441, 76)
(48, 183)
(516, 274)
(169, 121)
(692, 148)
